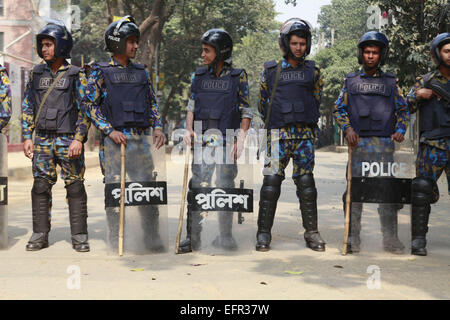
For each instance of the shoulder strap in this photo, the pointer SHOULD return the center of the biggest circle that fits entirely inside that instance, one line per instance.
(201, 70)
(272, 96)
(236, 72)
(270, 64)
(49, 90)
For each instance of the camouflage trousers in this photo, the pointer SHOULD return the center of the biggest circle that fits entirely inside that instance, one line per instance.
(281, 151)
(431, 162)
(50, 150)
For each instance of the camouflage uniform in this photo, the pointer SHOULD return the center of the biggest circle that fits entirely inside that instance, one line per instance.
(51, 149)
(96, 93)
(433, 157)
(5, 98)
(373, 148)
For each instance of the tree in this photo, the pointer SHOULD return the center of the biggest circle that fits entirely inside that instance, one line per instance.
(150, 15)
(348, 19)
(251, 53)
(181, 46)
(413, 25)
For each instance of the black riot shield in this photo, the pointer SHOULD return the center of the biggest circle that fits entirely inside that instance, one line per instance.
(382, 171)
(145, 227)
(220, 199)
(3, 192)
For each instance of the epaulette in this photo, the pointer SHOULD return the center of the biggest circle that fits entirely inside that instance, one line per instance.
(139, 66)
(351, 75)
(39, 68)
(201, 70)
(73, 70)
(310, 63)
(270, 64)
(102, 64)
(236, 72)
(390, 75)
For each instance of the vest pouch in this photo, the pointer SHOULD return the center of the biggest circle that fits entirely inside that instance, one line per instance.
(376, 121)
(299, 109)
(364, 117)
(287, 114)
(139, 111)
(214, 117)
(128, 108)
(51, 117)
(202, 110)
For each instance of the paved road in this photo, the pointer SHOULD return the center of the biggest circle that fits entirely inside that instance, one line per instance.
(288, 271)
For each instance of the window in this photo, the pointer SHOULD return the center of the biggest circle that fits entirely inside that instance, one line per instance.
(1, 10)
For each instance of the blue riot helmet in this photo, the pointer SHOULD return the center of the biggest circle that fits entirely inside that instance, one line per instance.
(116, 34)
(221, 41)
(299, 27)
(61, 37)
(374, 38)
(436, 46)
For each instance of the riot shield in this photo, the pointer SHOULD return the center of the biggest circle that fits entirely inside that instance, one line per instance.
(145, 228)
(381, 175)
(220, 199)
(3, 192)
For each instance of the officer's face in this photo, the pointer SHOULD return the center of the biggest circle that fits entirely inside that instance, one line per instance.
(297, 46)
(48, 49)
(445, 54)
(371, 56)
(208, 54)
(132, 46)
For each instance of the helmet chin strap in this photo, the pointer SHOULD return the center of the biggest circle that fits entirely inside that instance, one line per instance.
(50, 62)
(445, 65)
(301, 59)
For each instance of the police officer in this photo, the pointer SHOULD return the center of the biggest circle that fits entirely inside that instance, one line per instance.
(431, 96)
(52, 108)
(5, 98)
(132, 88)
(294, 113)
(375, 133)
(215, 109)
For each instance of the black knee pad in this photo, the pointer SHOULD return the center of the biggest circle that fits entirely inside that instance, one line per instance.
(306, 187)
(41, 186)
(271, 188)
(76, 189)
(305, 181)
(422, 191)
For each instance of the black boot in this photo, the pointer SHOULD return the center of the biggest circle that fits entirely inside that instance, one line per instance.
(389, 229)
(269, 194)
(40, 201)
(77, 199)
(225, 240)
(419, 229)
(150, 225)
(422, 193)
(307, 194)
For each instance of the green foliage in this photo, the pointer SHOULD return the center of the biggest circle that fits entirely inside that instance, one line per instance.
(181, 46)
(88, 40)
(335, 63)
(414, 26)
(348, 18)
(251, 53)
